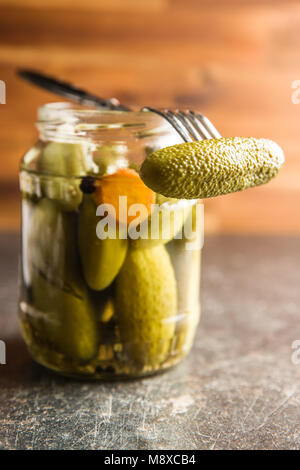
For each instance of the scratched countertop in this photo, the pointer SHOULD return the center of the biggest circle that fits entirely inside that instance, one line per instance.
(236, 390)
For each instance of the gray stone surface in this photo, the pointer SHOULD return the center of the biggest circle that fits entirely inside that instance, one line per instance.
(237, 389)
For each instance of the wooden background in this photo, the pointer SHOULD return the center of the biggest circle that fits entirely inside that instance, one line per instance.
(233, 60)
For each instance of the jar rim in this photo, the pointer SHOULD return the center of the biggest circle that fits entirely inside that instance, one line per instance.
(68, 112)
(66, 121)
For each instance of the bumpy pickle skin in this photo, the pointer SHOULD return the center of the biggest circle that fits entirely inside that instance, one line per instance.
(63, 318)
(101, 259)
(146, 302)
(209, 168)
(56, 162)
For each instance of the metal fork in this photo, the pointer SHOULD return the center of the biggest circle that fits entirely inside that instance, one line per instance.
(189, 125)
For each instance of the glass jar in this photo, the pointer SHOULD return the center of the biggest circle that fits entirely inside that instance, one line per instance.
(108, 290)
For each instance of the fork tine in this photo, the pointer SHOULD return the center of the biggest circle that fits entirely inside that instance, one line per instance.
(206, 124)
(178, 125)
(181, 121)
(168, 115)
(189, 124)
(203, 132)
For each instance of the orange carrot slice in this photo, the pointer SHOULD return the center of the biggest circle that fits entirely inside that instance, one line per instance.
(125, 182)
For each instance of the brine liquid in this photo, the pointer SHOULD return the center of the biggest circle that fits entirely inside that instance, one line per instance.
(80, 331)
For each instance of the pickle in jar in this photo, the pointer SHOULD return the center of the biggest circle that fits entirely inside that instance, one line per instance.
(64, 318)
(60, 165)
(101, 260)
(146, 305)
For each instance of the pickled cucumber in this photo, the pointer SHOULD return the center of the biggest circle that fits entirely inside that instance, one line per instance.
(62, 162)
(64, 320)
(211, 167)
(146, 303)
(63, 316)
(28, 211)
(101, 259)
(186, 264)
(52, 244)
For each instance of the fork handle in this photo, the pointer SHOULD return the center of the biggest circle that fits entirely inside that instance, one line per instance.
(70, 91)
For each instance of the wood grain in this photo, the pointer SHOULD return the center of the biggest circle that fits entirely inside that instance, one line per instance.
(234, 61)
